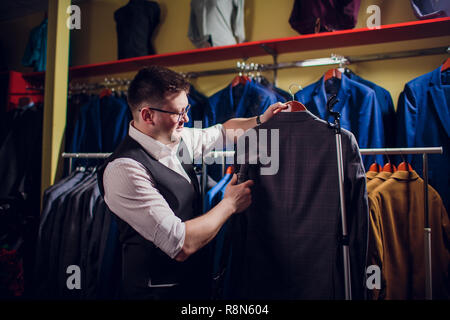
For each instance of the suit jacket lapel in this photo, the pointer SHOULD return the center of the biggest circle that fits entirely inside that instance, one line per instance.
(438, 96)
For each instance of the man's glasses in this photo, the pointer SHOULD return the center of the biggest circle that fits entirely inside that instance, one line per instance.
(180, 114)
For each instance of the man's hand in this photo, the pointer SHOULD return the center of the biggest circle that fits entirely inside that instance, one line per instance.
(272, 110)
(239, 195)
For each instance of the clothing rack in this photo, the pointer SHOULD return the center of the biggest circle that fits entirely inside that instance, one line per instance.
(379, 151)
(71, 156)
(332, 60)
(386, 151)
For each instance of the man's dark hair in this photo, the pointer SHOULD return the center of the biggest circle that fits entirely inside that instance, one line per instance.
(151, 86)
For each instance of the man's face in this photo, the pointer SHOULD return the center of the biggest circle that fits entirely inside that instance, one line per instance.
(168, 126)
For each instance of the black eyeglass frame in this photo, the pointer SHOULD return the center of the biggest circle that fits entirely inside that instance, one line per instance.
(180, 114)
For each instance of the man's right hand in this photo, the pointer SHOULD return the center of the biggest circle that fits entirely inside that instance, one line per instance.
(239, 195)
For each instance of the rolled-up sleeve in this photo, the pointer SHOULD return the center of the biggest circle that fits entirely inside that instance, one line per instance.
(130, 193)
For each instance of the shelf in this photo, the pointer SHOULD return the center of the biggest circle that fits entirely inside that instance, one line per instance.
(345, 38)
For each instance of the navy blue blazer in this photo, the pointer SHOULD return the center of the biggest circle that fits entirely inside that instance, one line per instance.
(384, 99)
(88, 125)
(241, 101)
(198, 103)
(424, 121)
(359, 109)
(115, 118)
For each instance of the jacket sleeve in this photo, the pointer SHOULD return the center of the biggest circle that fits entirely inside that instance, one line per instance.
(406, 119)
(357, 215)
(238, 21)
(375, 247)
(196, 31)
(370, 128)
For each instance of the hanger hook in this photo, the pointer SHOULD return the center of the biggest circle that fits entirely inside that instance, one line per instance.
(290, 91)
(387, 156)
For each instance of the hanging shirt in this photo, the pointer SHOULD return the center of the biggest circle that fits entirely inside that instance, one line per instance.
(359, 109)
(423, 116)
(214, 23)
(287, 245)
(135, 24)
(396, 239)
(36, 51)
(324, 15)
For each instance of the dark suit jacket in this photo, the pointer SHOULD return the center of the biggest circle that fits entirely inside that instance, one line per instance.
(287, 245)
(324, 15)
(135, 24)
(424, 121)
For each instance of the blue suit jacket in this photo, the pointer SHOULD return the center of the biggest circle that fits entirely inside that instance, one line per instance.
(424, 121)
(248, 100)
(384, 99)
(359, 109)
(87, 132)
(115, 118)
(198, 101)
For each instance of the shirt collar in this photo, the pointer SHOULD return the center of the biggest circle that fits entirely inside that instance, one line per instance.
(155, 148)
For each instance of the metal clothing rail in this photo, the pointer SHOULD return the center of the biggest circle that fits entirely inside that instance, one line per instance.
(70, 156)
(334, 59)
(243, 67)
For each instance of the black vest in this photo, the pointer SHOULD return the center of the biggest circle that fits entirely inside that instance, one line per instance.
(142, 260)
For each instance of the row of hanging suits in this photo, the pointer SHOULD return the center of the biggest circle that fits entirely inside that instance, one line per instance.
(396, 236)
(96, 123)
(76, 229)
(368, 111)
(20, 173)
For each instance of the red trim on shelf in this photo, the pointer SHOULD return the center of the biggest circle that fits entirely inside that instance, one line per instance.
(345, 38)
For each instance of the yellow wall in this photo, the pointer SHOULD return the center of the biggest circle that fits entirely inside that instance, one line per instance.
(264, 19)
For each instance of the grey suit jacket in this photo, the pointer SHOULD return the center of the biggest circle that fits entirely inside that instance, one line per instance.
(287, 245)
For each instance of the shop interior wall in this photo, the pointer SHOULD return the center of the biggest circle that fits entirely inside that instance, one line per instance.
(264, 19)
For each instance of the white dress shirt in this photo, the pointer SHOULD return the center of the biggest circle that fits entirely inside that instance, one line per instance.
(130, 190)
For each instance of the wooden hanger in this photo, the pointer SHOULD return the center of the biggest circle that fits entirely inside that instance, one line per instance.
(404, 166)
(375, 167)
(332, 73)
(389, 167)
(295, 106)
(105, 93)
(446, 65)
(241, 79)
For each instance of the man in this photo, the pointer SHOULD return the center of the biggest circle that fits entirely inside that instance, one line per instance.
(156, 196)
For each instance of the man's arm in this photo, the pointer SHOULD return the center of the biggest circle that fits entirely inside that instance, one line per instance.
(248, 123)
(201, 230)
